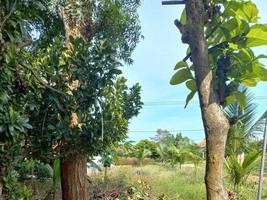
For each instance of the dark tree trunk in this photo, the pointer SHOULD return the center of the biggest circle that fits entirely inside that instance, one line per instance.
(2, 173)
(215, 123)
(1, 186)
(74, 183)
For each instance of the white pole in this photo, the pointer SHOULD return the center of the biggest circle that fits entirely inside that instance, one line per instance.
(262, 161)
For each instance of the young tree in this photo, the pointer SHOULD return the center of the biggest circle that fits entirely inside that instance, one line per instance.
(242, 133)
(220, 42)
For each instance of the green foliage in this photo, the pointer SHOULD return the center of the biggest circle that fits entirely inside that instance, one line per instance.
(150, 146)
(25, 168)
(106, 159)
(239, 167)
(13, 189)
(181, 76)
(174, 149)
(233, 30)
(141, 153)
(56, 171)
(118, 22)
(43, 171)
(37, 73)
(245, 130)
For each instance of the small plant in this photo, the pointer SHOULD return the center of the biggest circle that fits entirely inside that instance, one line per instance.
(239, 167)
(14, 190)
(43, 171)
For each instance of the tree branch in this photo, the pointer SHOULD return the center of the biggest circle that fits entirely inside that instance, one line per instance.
(35, 74)
(25, 43)
(173, 2)
(8, 15)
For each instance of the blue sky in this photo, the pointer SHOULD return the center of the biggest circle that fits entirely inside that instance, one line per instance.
(154, 59)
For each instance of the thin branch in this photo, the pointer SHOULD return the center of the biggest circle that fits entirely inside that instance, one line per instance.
(8, 15)
(44, 120)
(173, 2)
(25, 43)
(35, 74)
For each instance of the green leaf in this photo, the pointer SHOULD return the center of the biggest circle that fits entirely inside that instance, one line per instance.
(242, 10)
(28, 126)
(180, 64)
(248, 11)
(57, 171)
(257, 36)
(2, 128)
(249, 82)
(238, 97)
(189, 97)
(261, 56)
(180, 76)
(40, 5)
(260, 71)
(228, 27)
(191, 85)
(241, 99)
(183, 17)
(250, 159)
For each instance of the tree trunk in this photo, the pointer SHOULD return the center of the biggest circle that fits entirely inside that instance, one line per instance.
(74, 183)
(1, 186)
(215, 123)
(2, 173)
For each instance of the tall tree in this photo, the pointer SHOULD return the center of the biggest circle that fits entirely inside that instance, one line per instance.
(71, 65)
(220, 42)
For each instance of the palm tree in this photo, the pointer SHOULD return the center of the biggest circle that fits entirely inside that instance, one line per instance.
(141, 154)
(239, 167)
(241, 156)
(246, 128)
(161, 151)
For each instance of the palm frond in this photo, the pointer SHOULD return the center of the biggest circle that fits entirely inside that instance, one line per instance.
(246, 116)
(258, 126)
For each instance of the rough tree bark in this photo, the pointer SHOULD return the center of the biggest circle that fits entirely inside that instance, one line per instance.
(215, 123)
(74, 178)
(1, 181)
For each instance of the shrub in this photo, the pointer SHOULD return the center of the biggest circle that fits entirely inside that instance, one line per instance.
(43, 171)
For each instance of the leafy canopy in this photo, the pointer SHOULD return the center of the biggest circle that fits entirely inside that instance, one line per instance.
(233, 30)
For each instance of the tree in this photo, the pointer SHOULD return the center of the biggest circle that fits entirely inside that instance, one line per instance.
(149, 145)
(220, 42)
(141, 153)
(239, 168)
(72, 71)
(16, 82)
(92, 66)
(246, 129)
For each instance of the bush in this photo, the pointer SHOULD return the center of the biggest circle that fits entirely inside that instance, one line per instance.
(13, 189)
(25, 169)
(43, 171)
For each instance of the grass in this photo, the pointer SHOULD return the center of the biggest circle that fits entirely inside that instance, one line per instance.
(176, 183)
(172, 183)
(155, 182)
